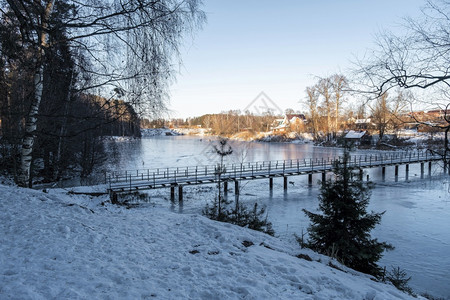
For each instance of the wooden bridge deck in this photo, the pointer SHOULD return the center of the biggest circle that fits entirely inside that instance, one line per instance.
(127, 181)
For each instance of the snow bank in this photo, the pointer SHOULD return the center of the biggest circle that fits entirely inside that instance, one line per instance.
(193, 131)
(63, 246)
(158, 132)
(291, 137)
(119, 138)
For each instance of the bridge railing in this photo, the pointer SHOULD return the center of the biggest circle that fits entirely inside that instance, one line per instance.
(179, 175)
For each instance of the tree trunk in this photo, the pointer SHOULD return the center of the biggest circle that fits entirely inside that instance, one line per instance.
(62, 131)
(30, 128)
(24, 178)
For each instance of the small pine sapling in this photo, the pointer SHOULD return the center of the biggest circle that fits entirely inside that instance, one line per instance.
(399, 279)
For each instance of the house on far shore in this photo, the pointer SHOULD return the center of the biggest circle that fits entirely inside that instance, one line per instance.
(363, 124)
(358, 137)
(290, 122)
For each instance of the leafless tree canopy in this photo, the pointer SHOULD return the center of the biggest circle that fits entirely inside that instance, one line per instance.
(419, 58)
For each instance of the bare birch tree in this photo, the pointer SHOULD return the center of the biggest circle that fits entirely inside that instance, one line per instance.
(381, 115)
(340, 86)
(312, 103)
(324, 88)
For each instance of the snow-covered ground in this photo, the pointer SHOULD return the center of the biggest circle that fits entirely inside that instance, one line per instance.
(56, 245)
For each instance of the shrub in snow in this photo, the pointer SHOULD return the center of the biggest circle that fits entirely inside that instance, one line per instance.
(399, 279)
(342, 229)
(220, 210)
(255, 218)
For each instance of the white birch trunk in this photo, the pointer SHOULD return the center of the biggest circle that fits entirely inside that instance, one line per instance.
(30, 130)
(31, 122)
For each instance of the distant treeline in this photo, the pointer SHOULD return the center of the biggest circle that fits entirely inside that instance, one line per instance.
(220, 124)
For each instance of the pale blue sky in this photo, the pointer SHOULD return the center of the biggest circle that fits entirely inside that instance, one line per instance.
(278, 47)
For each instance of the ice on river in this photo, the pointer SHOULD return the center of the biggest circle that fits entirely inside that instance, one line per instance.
(417, 206)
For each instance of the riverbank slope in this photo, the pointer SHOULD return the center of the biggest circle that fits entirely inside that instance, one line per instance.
(59, 245)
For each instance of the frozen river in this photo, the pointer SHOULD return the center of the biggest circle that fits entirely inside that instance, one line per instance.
(417, 210)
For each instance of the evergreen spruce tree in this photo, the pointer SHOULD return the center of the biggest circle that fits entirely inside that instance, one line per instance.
(342, 230)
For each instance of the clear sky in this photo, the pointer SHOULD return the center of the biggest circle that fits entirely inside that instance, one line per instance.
(277, 47)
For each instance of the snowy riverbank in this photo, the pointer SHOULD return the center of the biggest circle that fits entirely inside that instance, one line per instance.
(59, 246)
(403, 142)
(149, 132)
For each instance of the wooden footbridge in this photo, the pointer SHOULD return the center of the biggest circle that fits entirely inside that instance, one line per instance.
(136, 180)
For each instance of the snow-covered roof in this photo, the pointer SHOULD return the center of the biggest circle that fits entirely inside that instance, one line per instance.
(362, 121)
(355, 134)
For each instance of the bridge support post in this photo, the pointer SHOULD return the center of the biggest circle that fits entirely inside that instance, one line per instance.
(271, 183)
(180, 193)
(225, 188)
(361, 173)
(172, 193)
(396, 171)
(324, 176)
(383, 172)
(421, 169)
(310, 179)
(236, 187)
(285, 182)
(113, 197)
(429, 168)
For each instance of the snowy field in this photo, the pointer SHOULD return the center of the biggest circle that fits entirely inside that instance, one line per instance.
(59, 246)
